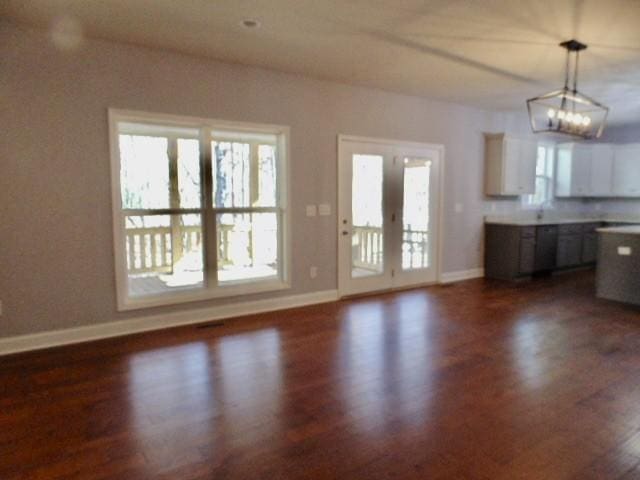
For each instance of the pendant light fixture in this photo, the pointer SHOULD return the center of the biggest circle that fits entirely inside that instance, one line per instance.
(567, 110)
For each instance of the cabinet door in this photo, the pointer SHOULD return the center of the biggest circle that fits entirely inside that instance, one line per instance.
(626, 171)
(589, 247)
(527, 168)
(580, 171)
(569, 251)
(511, 166)
(574, 252)
(601, 182)
(563, 171)
(546, 247)
(527, 255)
(562, 255)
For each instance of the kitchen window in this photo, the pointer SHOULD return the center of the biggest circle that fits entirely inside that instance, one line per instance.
(543, 196)
(199, 208)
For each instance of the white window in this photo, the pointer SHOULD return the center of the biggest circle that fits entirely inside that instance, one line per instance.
(199, 208)
(543, 196)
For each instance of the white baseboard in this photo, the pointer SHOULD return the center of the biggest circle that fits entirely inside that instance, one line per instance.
(460, 275)
(54, 338)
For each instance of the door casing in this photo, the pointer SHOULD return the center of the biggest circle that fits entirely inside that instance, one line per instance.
(438, 218)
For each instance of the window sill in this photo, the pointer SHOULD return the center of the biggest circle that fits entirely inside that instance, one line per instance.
(225, 291)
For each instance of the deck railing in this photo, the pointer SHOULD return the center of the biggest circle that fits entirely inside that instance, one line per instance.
(367, 245)
(151, 249)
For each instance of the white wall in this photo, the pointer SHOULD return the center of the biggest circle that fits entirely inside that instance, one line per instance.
(56, 229)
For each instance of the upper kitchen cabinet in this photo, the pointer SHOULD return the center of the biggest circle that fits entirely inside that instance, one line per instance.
(573, 170)
(626, 170)
(584, 170)
(601, 183)
(510, 165)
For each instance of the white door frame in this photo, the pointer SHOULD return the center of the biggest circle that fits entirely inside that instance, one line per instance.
(439, 220)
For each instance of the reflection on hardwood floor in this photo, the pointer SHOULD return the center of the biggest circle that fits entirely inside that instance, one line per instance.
(479, 380)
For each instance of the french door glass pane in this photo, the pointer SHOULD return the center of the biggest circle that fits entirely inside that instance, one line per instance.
(144, 171)
(164, 253)
(247, 246)
(367, 238)
(415, 214)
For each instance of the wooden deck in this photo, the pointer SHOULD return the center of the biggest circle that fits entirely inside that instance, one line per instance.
(479, 380)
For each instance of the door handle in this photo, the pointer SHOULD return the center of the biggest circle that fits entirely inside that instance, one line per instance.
(344, 232)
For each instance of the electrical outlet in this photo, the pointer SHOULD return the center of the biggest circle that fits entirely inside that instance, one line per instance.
(624, 251)
(313, 271)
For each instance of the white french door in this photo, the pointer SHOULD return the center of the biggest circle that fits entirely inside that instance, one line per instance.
(389, 203)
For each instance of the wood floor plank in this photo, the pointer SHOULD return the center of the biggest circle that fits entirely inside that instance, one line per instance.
(478, 380)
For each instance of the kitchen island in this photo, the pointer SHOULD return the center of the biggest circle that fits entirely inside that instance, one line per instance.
(618, 266)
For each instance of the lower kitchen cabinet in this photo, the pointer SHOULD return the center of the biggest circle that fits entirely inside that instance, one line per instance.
(527, 256)
(569, 251)
(570, 238)
(546, 247)
(513, 251)
(590, 242)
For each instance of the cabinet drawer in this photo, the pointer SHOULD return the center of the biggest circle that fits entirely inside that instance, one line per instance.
(548, 230)
(527, 232)
(570, 229)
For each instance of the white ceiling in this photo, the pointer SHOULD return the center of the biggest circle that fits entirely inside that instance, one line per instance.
(491, 54)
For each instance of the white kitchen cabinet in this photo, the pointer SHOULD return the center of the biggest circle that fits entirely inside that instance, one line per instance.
(573, 170)
(584, 170)
(510, 165)
(626, 170)
(601, 184)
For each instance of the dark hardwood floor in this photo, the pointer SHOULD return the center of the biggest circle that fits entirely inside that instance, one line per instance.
(479, 380)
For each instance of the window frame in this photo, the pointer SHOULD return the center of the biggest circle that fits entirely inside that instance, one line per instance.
(549, 179)
(210, 288)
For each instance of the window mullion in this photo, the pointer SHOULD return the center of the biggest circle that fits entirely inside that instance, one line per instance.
(210, 242)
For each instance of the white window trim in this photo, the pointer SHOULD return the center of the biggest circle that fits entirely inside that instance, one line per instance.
(124, 301)
(525, 205)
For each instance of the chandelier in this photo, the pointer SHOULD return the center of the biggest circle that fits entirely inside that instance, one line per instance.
(567, 110)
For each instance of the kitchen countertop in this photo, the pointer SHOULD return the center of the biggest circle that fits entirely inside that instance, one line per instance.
(532, 222)
(630, 230)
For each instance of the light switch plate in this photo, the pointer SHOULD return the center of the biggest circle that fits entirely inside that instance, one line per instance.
(311, 210)
(313, 271)
(324, 209)
(624, 251)
(459, 207)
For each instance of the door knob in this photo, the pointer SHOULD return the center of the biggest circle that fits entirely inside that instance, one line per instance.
(344, 232)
